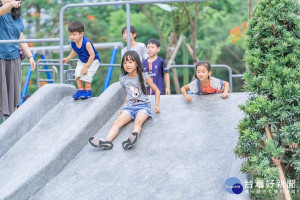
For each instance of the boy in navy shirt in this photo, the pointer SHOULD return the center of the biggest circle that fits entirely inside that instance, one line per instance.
(88, 62)
(156, 68)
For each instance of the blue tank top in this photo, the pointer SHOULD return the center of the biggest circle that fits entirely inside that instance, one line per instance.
(82, 52)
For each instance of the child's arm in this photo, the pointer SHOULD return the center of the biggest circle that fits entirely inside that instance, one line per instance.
(90, 49)
(157, 94)
(167, 82)
(224, 95)
(183, 91)
(70, 56)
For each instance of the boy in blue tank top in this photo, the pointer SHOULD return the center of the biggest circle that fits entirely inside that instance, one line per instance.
(88, 62)
(156, 68)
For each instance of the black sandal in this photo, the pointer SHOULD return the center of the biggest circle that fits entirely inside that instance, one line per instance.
(105, 144)
(128, 143)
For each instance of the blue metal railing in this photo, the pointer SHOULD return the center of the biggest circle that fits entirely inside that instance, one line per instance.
(110, 68)
(47, 68)
(26, 84)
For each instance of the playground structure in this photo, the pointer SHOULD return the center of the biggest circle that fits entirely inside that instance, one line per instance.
(45, 141)
(181, 154)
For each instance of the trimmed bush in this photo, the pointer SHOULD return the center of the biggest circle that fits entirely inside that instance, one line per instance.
(273, 82)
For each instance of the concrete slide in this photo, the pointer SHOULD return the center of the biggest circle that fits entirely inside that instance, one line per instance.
(186, 152)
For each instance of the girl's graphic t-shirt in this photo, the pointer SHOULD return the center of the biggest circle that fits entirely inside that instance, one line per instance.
(135, 95)
(215, 86)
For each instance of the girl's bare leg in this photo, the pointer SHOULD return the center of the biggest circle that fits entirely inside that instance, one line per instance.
(122, 120)
(137, 128)
(139, 121)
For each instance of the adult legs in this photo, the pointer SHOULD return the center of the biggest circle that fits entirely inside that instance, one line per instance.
(10, 86)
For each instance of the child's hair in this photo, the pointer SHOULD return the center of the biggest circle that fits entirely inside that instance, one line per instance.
(132, 30)
(154, 41)
(204, 64)
(134, 56)
(76, 26)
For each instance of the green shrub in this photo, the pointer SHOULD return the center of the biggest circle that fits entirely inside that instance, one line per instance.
(272, 80)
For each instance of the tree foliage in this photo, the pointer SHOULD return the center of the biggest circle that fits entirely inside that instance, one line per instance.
(273, 80)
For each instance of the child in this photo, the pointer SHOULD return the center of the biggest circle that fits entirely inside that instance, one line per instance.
(139, 47)
(88, 62)
(205, 83)
(156, 68)
(136, 104)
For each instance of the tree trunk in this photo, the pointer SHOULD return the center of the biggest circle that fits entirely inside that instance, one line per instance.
(280, 170)
(249, 9)
(194, 31)
(193, 23)
(191, 51)
(38, 22)
(171, 53)
(149, 16)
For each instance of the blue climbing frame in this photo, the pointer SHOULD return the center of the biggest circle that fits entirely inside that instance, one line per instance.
(28, 77)
(110, 68)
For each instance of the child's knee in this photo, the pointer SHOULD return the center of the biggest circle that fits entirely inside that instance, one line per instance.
(138, 122)
(117, 123)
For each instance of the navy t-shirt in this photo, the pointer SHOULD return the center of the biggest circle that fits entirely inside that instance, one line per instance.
(156, 71)
(82, 52)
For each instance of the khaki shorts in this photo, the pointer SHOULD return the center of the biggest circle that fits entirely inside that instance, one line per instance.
(88, 77)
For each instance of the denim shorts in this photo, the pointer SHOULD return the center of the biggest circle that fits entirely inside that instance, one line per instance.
(132, 111)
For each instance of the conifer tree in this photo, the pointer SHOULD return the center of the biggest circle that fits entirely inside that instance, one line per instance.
(270, 130)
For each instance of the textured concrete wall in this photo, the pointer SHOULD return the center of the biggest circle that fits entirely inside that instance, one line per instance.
(21, 121)
(54, 141)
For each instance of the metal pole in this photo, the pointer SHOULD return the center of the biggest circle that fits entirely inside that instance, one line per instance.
(47, 67)
(110, 69)
(128, 26)
(29, 40)
(61, 44)
(27, 80)
(230, 74)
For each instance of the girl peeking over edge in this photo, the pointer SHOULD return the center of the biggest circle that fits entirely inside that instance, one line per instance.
(204, 83)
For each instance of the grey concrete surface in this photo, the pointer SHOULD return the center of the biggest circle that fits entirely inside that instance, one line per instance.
(186, 152)
(24, 118)
(52, 143)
